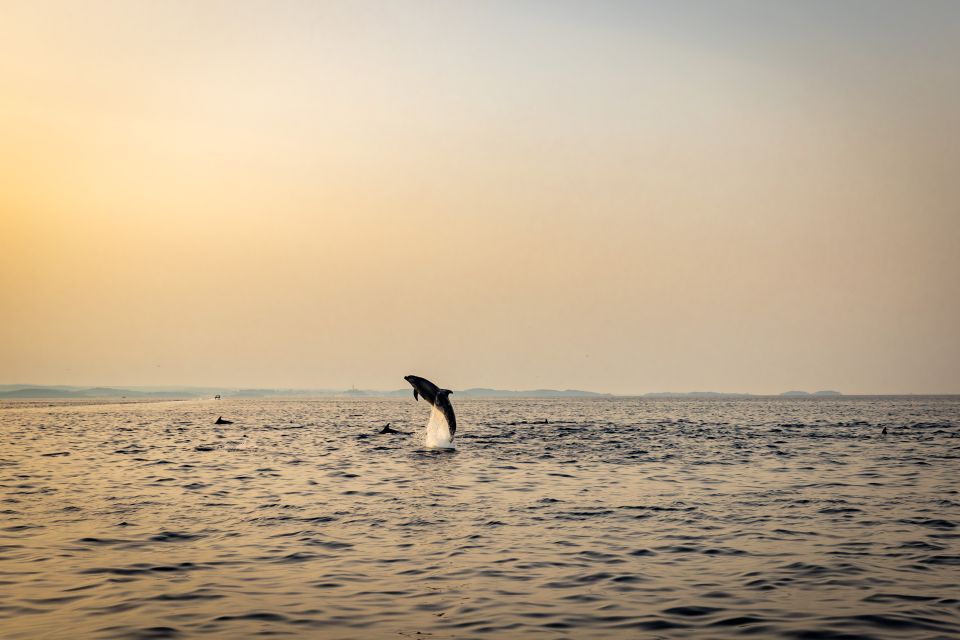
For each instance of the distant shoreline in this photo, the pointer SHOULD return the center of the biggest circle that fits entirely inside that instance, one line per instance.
(11, 400)
(46, 403)
(170, 392)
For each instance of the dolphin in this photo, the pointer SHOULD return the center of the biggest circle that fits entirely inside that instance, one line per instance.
(438, 398)
(390, 430)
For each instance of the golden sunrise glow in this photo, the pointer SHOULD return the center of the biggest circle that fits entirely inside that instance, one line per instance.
(633, 199)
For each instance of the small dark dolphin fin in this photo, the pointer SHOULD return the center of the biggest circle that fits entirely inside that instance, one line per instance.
(390, 430)
(416, 396)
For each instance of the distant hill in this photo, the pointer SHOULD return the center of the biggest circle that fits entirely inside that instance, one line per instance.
(532, 393)
(801, 394)
(161, 393)
(92, 392)
(66, 392)
(482, 392)
(697, 394)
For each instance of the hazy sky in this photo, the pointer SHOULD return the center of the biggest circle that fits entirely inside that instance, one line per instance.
(623, 196)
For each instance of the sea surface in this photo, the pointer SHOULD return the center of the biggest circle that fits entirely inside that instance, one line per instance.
(555, 518)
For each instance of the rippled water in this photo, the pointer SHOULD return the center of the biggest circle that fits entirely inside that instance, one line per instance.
(602, 518)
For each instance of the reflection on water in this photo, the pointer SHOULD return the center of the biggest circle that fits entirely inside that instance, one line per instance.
(555, 518)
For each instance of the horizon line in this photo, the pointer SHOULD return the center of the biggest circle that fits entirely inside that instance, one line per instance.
(821, 393)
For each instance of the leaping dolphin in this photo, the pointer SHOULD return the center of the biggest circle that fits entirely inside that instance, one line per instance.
(439, 399)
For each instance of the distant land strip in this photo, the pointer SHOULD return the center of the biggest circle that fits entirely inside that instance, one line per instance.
(159, 393)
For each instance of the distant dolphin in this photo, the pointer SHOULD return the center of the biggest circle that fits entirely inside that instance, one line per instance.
(884, 432)
(390, 430)
(220, 420)
(443, 422)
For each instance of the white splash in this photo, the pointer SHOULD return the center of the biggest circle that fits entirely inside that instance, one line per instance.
(438, 432)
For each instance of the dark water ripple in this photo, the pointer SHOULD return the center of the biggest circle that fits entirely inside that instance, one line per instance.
(601, 518)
